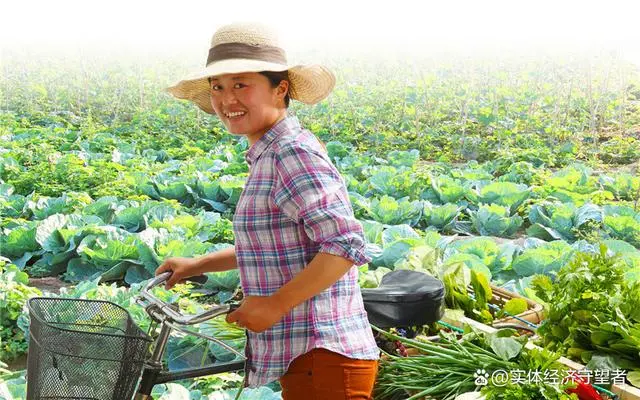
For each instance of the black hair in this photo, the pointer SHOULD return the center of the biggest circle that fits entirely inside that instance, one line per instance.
(275, 77)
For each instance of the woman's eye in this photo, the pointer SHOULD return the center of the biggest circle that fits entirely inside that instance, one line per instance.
(216, 87)
(239, 85)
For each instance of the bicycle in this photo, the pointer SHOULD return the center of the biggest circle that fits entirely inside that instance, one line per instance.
(92, 349)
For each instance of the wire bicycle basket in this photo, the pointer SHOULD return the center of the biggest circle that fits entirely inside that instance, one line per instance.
(83, 349)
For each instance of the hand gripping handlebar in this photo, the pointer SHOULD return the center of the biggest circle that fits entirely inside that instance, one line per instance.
(176, 316)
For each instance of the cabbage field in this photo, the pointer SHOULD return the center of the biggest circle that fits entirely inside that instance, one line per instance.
(503, 172)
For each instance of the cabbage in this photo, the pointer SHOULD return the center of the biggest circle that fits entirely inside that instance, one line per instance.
(494, 220)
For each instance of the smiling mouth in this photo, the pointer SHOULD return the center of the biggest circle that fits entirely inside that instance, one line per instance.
(234, 115)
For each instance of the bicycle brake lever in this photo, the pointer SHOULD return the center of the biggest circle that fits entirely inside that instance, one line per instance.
(201, 279)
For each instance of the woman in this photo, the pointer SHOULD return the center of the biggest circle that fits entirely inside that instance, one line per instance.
(296, 239)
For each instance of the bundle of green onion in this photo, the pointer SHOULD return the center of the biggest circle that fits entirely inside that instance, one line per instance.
(444, 369)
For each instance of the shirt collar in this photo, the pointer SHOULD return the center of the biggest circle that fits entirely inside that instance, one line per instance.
(288, 124)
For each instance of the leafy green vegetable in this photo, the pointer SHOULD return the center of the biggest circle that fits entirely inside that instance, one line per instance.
(515, 306)
(495, 220)
(450, 367)
(575, 178)
(14, 292)
(388, 210)
(546, 259)
(223, 283)
(624, 227)
(538, 361)
(592, 311)
(13, 388)
(519, 172)
(441, 217)
(337, 149)
(422, 258)
(371, 278)
(506, 194)
(392, 233)
(391, 181)
(447, 190)
(457, 278)
(496, 258)
(623, 186)
(563, 221)
(19, 241)
(43, 206)
(394, 252)
(471, 261)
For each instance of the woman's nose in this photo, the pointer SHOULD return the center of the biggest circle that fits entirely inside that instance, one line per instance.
(228, 97)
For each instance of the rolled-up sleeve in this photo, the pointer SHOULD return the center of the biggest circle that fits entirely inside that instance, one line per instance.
(310, 191)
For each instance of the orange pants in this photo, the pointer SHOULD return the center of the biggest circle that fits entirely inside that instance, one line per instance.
(324, 375)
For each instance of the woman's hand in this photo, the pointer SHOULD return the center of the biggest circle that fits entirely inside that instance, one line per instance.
(258, 313)
(181, 268)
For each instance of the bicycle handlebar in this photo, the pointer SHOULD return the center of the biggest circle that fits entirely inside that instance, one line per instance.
(177, 316)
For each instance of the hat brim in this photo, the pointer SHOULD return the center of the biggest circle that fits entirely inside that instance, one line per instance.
(309, 84)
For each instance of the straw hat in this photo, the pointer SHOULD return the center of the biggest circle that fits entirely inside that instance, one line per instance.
(242, 47)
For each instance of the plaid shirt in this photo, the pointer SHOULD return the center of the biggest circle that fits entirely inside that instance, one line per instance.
(294, 205)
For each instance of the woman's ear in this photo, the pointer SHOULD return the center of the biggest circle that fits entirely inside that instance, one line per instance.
(283, 88)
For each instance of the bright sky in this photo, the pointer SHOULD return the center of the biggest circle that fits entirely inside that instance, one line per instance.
(33, 25)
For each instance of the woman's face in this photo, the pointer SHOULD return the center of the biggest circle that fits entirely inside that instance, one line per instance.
(247, 104)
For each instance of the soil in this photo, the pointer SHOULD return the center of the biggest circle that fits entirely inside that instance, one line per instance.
(49, 284)
(19, 364)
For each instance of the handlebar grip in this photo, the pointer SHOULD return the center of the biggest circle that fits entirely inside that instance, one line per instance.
(174, 315)
(163, 277)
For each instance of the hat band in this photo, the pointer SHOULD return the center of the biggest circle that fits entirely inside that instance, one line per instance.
(226, 51)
